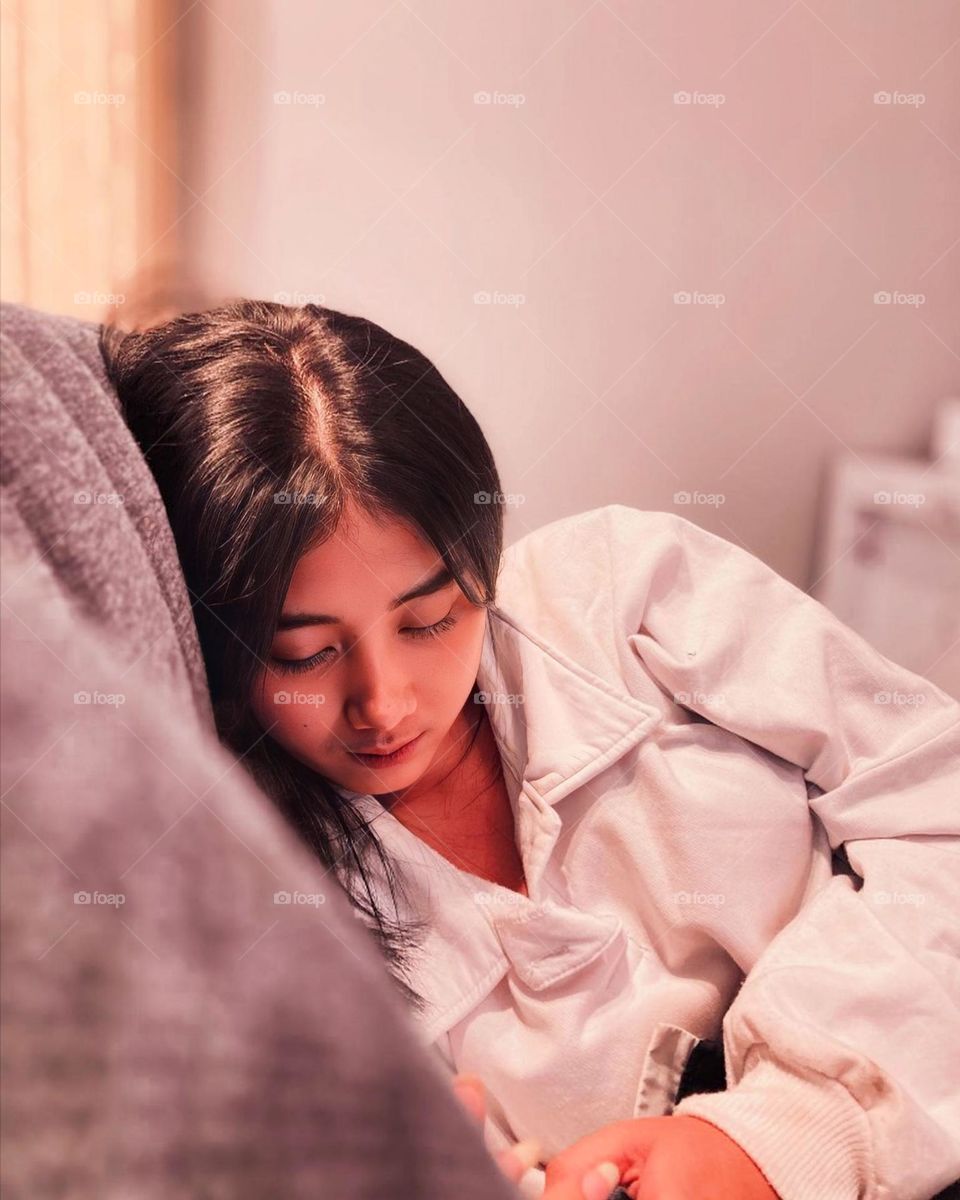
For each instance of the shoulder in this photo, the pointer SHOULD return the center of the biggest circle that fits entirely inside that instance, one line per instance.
(571, 565)
(617, 566)
(596, 523)
(595, 536)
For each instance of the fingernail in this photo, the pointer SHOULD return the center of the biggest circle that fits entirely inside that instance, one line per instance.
(600, 1181)
(527, 1152)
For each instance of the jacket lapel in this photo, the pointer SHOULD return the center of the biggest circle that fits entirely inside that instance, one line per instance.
(557, 726)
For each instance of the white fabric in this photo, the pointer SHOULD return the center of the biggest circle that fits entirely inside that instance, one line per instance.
(685, 737)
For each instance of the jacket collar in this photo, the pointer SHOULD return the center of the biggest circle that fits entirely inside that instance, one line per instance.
(556, 723)
(557, 726)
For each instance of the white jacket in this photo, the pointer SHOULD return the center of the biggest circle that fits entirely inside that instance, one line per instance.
(686, 737)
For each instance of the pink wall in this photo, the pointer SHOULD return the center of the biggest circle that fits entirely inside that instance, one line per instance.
(384, 188)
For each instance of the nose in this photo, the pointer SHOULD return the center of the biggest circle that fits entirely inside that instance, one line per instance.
(379, 694)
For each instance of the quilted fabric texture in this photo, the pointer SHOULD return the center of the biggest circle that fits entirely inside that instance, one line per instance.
(82, 500)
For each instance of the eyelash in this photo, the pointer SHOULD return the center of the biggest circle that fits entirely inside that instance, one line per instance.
(296, 666)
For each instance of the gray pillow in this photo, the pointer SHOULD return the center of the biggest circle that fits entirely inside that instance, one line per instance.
(87, 511)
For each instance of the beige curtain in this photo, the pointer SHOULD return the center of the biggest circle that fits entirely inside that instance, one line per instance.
(89, 163)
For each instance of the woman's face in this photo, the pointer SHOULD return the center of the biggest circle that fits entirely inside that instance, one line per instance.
(377, 670)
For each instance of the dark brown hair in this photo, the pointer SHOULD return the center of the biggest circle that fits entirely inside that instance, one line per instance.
(244, 410)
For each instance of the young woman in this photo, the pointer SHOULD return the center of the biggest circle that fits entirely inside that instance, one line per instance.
(591, 793)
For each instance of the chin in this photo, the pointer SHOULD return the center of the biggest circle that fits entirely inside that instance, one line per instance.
(388, 781)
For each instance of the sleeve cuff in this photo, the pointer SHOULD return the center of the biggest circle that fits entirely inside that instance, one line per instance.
(805, 1132)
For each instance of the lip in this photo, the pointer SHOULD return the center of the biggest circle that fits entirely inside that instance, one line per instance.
(387, 760)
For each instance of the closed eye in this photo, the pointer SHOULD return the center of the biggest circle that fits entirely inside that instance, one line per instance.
(296, 666)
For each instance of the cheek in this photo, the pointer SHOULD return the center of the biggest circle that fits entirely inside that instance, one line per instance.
(290, 709)
(262, 698)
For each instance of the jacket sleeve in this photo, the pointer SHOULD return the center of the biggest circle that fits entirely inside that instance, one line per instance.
(842, 1045)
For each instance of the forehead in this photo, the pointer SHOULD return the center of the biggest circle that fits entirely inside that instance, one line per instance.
(366, 561)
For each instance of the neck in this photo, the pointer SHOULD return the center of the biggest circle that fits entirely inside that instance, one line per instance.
(467, 762)
(468, 817)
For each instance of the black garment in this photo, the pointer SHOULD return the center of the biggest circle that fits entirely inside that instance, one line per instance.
(704, 1070)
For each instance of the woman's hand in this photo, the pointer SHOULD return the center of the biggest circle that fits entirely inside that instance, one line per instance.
(516, 1161)
(657, 1158)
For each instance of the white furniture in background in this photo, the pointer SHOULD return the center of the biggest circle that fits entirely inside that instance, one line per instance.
(888, 560)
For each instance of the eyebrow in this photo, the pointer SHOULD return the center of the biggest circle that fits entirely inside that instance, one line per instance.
(297, 620)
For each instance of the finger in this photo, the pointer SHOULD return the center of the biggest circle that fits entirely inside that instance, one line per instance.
(595, 1184)
(600, 1181)
(516, 1161)
(471, 1093)
(624, 1143)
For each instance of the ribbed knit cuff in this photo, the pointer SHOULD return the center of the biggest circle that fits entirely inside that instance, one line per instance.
(805, 1132)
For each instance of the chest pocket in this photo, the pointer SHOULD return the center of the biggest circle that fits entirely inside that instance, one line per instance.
(547, 944)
